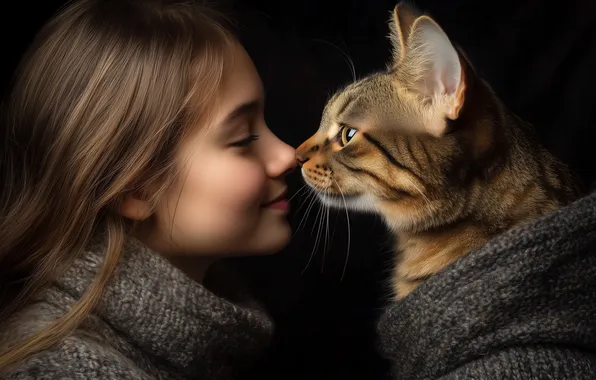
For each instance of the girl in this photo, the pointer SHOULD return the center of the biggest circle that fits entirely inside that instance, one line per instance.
(135, 154)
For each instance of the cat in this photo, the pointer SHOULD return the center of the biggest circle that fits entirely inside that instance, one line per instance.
(427, 145)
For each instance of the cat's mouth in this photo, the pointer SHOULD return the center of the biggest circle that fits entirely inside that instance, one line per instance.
(356, 202)
(336, 197)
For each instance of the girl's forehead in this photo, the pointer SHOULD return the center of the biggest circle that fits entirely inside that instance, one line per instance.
(241, 87)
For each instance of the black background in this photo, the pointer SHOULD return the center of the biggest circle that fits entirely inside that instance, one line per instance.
(539, 57)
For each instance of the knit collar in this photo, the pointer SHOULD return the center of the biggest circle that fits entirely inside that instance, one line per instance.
(170, 317)
(534, 284)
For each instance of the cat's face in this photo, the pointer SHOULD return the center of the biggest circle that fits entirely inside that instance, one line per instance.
(382, 145)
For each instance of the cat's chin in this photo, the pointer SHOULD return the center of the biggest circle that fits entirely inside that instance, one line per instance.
(361, 203)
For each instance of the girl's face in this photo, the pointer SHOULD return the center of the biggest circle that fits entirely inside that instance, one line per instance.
(231, 197)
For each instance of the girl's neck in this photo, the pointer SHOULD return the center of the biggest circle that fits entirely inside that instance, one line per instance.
(194, 267)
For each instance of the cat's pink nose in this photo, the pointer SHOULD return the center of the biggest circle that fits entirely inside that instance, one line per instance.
(301, 160)
(304, 153)
(306, 150)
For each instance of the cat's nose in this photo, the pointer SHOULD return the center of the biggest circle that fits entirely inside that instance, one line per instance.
(301, 160)
(305, 151)
(302, 155)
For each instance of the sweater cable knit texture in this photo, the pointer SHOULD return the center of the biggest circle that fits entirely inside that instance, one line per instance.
(521, 307)
(153, 322)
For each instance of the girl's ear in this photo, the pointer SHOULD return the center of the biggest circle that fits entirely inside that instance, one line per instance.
(135, 208)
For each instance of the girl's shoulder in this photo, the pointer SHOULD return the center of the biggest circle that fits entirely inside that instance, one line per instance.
(78, 357)
(92, 351)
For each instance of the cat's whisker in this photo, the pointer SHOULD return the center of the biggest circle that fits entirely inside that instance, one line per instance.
(318, 223)
(306, 214)
(299, 191)
(349, 231)
(326, 241)
(305, 198)
(334, 226)
(317, 217)
(312, 202)
(346, 57)
(350, 61)
(311, 197)
(320, 227)
(327, 208)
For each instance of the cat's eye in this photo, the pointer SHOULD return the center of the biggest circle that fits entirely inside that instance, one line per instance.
(346, 134)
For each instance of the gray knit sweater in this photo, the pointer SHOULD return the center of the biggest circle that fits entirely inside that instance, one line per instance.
(521, 307)
(153, 323)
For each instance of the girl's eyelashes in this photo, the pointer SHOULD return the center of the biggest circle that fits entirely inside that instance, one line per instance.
(245, 142)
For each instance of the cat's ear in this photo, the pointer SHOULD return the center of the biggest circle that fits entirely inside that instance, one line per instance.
(431, 66)
(400, 26)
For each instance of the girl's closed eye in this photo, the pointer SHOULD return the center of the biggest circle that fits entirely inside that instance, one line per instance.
(245, 142)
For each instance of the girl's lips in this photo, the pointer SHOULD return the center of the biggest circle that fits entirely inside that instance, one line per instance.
(282, 205)
(279, 203)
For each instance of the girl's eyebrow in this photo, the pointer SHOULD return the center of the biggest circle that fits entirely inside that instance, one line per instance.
(244, 109)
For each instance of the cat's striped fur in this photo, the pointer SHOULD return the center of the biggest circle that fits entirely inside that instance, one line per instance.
(427, 145)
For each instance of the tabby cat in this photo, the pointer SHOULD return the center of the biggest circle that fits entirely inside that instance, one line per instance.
(427, 145)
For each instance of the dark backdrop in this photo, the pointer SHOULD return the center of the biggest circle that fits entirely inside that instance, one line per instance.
(540, 59)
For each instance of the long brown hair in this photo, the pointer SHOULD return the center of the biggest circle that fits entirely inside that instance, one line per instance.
(98, 106)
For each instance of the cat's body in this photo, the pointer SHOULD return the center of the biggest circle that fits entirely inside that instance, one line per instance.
(429, 147)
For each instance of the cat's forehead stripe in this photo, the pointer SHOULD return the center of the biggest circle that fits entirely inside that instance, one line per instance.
(344, 105)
